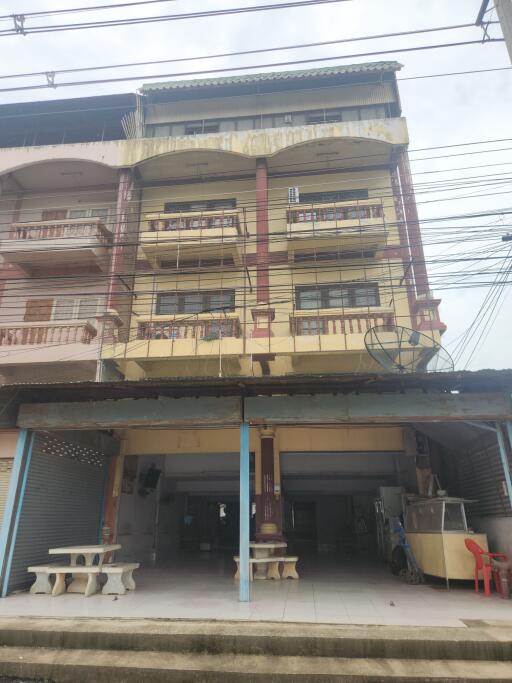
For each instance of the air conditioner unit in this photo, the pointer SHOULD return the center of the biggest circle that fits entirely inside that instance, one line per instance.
(293, 195)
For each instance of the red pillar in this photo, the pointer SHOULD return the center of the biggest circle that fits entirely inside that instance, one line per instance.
(413, 226)
(111, 504)
(404, 246)
(269, 518)
(123, 255)
(263, 314)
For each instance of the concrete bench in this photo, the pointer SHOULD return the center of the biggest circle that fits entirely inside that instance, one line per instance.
(289, 570)
(119, 577)
(85, 579)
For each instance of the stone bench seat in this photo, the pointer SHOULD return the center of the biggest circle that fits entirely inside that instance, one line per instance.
(85, 578)
(119, 577)
(289, 570)
(88, 585)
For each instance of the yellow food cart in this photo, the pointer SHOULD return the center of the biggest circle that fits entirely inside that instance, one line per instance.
(436, 529)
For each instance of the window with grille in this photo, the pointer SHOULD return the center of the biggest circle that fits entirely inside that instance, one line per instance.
(210, 301)
(197, 206)
(347, 295)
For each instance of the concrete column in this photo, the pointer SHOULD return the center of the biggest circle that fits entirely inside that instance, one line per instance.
(14, 505)
(269, 518)
(263, 314)
(245, 504)
(413, 226)
(108, 531)
(123, 253)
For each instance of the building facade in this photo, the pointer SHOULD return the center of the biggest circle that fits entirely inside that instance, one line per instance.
(243, 227)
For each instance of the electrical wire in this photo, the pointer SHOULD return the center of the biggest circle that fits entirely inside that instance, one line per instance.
(109, 23)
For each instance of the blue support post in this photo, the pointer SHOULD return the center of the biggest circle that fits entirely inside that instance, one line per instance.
(504, 456)
(245, 498)
(13, 505)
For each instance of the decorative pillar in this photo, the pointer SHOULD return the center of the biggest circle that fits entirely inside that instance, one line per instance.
(108, 531)
(245, 506)
(263, 314)
(124, 250)
(269, 518)
(413, 226)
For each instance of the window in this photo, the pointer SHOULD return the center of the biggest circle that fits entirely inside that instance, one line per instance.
(208, 301)
(83, 308)
(201, 128)
(345, 295)
(198, 206)
(334, 196)
(314, 256)
(89, 213)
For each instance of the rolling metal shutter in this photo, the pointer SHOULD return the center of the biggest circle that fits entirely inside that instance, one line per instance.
(62, 505)
(5, 476)
(481, 477)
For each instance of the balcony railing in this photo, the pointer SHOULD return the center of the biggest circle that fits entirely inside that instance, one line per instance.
(207, 330)
(205, 220)
(350, 323)
(334, 213)
(76, 228)
(47, 332)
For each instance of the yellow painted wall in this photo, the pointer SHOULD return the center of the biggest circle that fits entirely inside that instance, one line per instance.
(162, 441)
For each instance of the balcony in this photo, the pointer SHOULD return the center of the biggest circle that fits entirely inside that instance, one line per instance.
(176, 337)
(352, 226)
(204, 238)
(47, 344)
(47, 245)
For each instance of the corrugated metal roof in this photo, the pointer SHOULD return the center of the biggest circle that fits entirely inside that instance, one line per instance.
(244, 79)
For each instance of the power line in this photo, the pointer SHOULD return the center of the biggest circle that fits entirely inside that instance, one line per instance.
(20, 28)
(298, 46)
(73, 10)
(268, 65)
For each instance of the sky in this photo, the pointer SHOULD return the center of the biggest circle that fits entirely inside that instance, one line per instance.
(449, 110)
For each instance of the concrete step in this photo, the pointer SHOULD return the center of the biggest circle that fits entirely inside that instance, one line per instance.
(114, 666)
(478, 642)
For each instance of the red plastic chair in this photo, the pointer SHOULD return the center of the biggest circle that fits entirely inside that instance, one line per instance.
(483, 564)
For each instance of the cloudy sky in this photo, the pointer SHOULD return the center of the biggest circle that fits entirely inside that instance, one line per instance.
(449, 110)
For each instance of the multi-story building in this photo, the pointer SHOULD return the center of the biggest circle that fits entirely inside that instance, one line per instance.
(247, 225)
(253, 225)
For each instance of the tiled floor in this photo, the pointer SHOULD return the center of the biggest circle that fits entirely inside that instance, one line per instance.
(329, 591)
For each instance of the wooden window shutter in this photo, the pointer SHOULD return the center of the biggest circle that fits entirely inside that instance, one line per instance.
(38, 309)
(54, 215)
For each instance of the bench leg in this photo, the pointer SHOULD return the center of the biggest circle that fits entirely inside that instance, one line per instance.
(237, 572)
(42, 583)
(59, 587)
(273, 571)
(289, 570)
(251, 572)
(128, 580)
(92, 585)
(114, 585)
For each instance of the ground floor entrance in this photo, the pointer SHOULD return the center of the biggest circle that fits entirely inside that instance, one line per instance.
(331, 589)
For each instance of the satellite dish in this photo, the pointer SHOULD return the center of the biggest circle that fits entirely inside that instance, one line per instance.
(401, 350)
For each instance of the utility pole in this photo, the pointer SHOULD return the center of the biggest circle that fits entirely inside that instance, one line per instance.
(504, 11)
